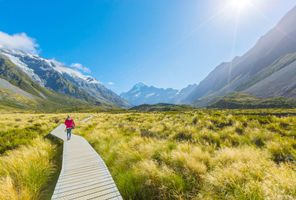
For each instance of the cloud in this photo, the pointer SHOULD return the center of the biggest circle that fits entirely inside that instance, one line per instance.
(111, 83)
(80, 67)
(18, 41)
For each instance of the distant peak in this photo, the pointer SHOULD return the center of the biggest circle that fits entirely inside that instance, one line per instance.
(139, 85)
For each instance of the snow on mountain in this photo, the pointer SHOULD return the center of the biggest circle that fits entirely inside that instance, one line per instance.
(150, 95)
(15, 56)
(61, 68)
(15, 60)
(56, 76)
(143, 94)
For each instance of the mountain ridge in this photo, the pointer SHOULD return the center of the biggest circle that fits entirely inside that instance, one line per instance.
(42, 77)
(141, 93)
(240, 74)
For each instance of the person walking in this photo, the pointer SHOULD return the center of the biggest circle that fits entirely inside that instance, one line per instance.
(70, 124)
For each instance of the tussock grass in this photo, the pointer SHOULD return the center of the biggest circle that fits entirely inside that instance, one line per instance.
(248, 173)
(20, 128)
(201, 154)
(29, 164)
(24, 172)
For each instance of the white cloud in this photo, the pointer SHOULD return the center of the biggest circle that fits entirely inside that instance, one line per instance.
(18, 41)
(80, 67)
(61, 68)
(111, 83)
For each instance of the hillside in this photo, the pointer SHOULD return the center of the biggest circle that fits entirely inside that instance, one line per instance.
(242, 101)
(19, 91)
(266, 70)
(62, 79)
(29, 81)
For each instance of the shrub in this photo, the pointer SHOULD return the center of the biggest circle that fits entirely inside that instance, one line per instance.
(282, 151)
(147, 133)
(183, 136)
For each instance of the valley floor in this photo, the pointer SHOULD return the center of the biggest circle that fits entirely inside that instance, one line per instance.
(201, 154)
(198, 154)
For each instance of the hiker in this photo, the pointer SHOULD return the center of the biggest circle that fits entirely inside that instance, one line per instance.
(69, 122)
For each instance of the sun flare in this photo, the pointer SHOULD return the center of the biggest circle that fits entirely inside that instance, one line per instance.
(240, 5)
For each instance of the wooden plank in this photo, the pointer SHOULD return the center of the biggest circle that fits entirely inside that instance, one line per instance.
(84, 174)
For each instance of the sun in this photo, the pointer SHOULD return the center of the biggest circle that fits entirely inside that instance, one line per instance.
(240, 5)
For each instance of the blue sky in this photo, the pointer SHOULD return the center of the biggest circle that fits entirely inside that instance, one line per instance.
(166, 43)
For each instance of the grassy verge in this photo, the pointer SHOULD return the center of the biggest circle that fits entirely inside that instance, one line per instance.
(20, 129)
(202, 154)
(48, 188)
(25, 172)
(30, 159)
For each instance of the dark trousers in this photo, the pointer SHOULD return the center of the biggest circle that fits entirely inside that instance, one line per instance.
(69, 131)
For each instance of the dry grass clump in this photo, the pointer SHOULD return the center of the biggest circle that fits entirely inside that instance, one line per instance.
(282, 150)
(280, 182)
(248, 173)
(25, 171)
(157, 180)
(202, 154)
(236, 174)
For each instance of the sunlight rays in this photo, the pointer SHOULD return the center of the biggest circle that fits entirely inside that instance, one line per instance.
(233, 11)
(234, 41)
(240, 5)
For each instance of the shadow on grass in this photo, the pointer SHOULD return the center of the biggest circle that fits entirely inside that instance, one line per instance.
(48, 189)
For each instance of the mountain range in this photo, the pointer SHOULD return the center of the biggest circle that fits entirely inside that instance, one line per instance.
(144, 94)
(27, 79)
(267, 70)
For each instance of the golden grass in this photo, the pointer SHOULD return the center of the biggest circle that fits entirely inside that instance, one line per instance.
(29, 163)
(203, 154)
(25, 171)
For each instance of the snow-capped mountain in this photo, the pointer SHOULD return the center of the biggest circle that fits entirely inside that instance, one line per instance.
(13, 56)
(143, 94)
(54, 75)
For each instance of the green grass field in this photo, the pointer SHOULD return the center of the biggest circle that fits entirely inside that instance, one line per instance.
(198, 154)
(203, 154)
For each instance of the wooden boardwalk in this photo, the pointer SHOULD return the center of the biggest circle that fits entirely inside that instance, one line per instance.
(84, 174)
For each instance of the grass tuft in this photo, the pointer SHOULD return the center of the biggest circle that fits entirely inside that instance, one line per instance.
(25, 171)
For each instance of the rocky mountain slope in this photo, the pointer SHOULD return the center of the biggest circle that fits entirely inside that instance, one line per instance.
(18, 90)
(45, 78)
(266, 70)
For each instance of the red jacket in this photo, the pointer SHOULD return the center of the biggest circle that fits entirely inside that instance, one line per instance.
(69, 123)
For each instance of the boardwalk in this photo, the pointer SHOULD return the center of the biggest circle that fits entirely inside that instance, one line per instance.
(84, 174)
